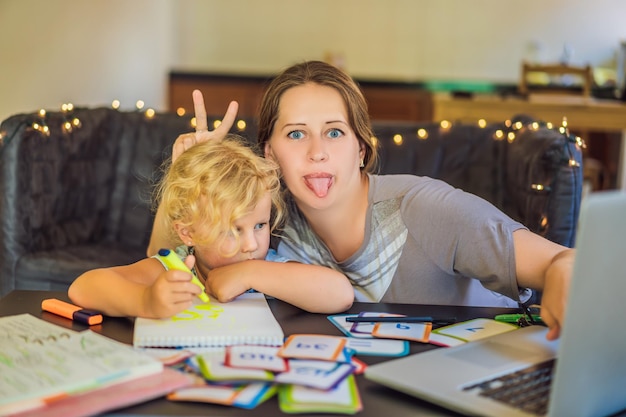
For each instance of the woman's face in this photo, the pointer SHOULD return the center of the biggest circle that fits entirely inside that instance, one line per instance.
(317, 150)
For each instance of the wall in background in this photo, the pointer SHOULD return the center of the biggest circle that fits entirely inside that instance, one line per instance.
(90, 53)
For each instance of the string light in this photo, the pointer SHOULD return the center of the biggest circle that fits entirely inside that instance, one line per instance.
(115, 104)
(181, 111)
(397, 139)
(139, 104)
(241, 125)
(482, 123)
(217, 124)
(150, 113)
(422, 133)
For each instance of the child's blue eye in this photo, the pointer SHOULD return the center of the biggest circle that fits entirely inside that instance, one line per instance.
(335, 133)
(296, 134)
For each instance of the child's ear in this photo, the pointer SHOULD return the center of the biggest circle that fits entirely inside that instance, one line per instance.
(184, 234)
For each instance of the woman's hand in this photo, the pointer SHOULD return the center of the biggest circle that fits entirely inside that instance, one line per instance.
(202, 133)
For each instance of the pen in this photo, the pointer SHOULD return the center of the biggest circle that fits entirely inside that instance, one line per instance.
(517, 318)
(396, 319)
(172, 261)
(72, 312)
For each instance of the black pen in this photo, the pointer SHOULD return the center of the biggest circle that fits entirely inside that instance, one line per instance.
(397, 319)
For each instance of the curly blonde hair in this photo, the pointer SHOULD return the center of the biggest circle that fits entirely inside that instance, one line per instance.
(215, 183)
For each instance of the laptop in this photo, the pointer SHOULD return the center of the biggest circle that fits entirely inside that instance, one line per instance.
(589, 372)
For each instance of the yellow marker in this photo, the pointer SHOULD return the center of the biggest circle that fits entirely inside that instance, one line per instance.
(172, 261)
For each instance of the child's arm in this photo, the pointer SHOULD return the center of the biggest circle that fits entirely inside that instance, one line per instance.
(314, 288)
(142, 289)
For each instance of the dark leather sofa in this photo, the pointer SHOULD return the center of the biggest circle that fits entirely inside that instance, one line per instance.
(76, 186)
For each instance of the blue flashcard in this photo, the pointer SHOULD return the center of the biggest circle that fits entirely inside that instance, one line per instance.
(315, 374)
(339, 320)
(377, 347)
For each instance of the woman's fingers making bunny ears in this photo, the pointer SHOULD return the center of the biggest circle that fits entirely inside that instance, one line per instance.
(202, 133)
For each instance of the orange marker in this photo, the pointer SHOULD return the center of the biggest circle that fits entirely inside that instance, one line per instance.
(72, 312)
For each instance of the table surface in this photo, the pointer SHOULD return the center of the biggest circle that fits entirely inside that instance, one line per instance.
(377, 400)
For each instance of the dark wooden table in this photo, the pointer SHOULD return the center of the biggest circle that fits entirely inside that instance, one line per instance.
(377, 400)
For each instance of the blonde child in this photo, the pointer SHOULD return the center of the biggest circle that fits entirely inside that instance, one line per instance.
(217, 200)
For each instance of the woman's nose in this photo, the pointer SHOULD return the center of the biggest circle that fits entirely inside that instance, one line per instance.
(317, 150)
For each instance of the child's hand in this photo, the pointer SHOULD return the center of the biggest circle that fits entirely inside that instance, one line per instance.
(228, 282)
(171, 293)
(202, 133)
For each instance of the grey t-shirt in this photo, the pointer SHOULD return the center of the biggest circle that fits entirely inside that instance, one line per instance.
(423, 239)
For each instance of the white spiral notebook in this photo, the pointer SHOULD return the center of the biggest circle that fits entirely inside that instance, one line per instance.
(245, 320)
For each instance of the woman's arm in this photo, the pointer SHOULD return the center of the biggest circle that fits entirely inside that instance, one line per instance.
(544, 265)
(142, 289)
(314, 288)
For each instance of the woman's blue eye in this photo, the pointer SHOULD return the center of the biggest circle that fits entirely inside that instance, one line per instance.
(259, 226)
(335, 133)
(296, 134)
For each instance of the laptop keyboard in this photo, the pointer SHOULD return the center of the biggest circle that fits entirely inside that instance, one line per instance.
(527, 389)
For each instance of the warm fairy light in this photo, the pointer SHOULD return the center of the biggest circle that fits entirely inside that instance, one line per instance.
(445, 124)
(241, 124)
(422, 133)
(510, 137)
(150, 113)
(139, 104)
(67, 107)
(507, 123)
(46, 130)
(397, 139)
(36, 126)
(194, 122)
(181, 111)
(76, 122)
(498, 134)
(534, 126)
(537, 187)
(42, 113)
(574, 163)
(217, 124)
(544, 221)
(518, 125)
(562, 130)
(67, 126)
(549, 125)
(374, 141)
(115, 104)
(482, 123)
(564, 123)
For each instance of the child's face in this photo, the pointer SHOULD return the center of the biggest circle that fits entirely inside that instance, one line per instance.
(254, 239)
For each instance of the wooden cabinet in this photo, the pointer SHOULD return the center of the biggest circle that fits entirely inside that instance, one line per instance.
(386, 100)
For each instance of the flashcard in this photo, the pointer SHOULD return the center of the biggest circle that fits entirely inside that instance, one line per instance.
(418, 332)
(255, 357)
(367, 328)
(314, 373)
(212, 368)
(243, 396)
(377, 347)
(339, 320)
(313, 346)
(300, 399)
(359, 366)
(468, 331)
(169, 357)
(443, 340)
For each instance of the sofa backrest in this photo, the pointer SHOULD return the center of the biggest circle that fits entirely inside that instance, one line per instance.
(85, 177)
(530, 171)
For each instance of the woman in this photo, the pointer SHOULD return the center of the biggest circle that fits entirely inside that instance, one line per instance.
(398, 238)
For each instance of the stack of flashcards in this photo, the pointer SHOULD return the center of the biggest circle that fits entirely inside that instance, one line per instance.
(310, 373)
(378, 327)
